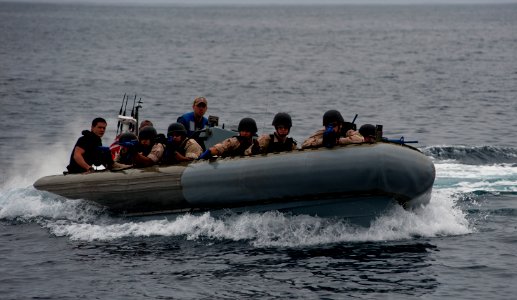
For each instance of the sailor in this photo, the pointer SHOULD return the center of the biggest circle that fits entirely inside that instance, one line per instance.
(149, 151)
(179, 147)
(240, 145)
(330, 135)
(195, 120)
(278, 141)
(368, 132)
(128, 143)
(88, 150)
(145, 123)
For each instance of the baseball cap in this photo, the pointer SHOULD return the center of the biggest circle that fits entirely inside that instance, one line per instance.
(200, 100)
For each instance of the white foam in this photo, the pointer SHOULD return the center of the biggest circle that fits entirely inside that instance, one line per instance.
(46, 158)
(27, 204)
(468, 178)
(80, 221)
(440, 218)
(474, 171)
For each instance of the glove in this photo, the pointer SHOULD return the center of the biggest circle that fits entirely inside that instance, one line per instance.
(205, 155)
(329, 137)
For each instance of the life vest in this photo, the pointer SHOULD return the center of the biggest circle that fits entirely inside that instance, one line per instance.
(277, 146)
(144, 150)
(190, 123)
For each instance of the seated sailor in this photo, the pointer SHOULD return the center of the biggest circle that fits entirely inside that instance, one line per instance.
(278, 141)
(179, 147)
(128, 143)
(88, 150)
(331, 134)
(195, 120)
(149, 150)
(240, 145)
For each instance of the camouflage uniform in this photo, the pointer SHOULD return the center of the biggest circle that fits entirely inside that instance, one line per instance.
(156, 152)
(192, 149)
(352, 137)
(316, 140)
(231, 145)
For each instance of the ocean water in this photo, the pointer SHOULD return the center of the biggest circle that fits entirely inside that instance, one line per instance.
(443, 75)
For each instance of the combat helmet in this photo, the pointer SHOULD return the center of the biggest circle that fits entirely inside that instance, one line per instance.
(367, 130)
(176, 128)
(147, 133)
(331, 116)
(248, 124)
(127, 137)
(282, 118)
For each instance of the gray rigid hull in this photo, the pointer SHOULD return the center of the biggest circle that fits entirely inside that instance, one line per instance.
(319, 181)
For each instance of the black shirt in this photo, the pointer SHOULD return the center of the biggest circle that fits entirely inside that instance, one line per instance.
(90, 143)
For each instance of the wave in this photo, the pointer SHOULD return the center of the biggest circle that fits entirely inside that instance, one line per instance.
(78, 220)
(500, 178)
(473, 155)
(459, 202)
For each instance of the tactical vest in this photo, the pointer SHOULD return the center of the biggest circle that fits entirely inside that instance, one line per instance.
(144, 150)
(239, 151)
(170, 151)
(276, 146)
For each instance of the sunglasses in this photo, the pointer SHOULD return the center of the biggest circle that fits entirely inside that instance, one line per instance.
(203, 105)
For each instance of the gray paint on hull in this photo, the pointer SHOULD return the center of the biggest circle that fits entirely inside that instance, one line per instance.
(364, 169)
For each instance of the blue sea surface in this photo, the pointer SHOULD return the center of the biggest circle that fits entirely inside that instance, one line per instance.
(444, 75)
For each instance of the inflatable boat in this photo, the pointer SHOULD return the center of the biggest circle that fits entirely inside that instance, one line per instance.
(354, 181)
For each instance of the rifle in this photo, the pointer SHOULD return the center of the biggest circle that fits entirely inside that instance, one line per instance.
(399, 141)
(348, 125)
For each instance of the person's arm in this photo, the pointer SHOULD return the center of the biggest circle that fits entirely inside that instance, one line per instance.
(192, 150)
(352, 137)
(263, 142)
(228, 144)
(315, 140)
(217, 149)
(143, 161)
(156, 153)
(179, 157)
(79, 158)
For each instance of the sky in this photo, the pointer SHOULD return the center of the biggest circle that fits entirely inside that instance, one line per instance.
(258, 2)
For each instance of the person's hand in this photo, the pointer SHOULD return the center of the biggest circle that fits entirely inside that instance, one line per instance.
(205, 155)
(255, 149)
(328, 130)
(329, 137)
